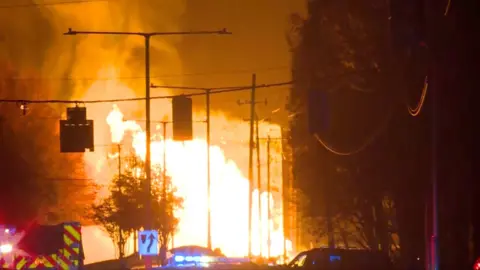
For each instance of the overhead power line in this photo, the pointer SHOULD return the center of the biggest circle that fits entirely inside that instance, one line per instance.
(418, 108)
(447, 7)
(372, 138)
(185, 75)
(56, 3)
(215, 91)
(159, 76)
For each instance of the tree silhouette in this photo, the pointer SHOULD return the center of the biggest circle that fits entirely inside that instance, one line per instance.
(342, 50)
(36, 178)
(123, 211)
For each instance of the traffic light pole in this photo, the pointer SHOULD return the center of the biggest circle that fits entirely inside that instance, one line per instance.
(148, 154)
(259, 185)
(250, 164)
(147, 36)
(164, 174)
(285, 188)
(209, 211)
(269, 240)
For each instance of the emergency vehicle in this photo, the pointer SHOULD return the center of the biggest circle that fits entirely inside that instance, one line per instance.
(201, 257)
(52, 247)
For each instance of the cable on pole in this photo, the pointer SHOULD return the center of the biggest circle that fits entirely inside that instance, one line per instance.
(447, 8)
(363, 146)
(174, 75)
(418, 108)
(217, 91)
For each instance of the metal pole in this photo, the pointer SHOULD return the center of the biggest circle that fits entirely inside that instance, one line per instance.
(164, 170)
(268, 200)
(259, 186)
(148, 178)
(209, 213)
(284, 196)
(250, 165)
(164, 173)
(148, 133)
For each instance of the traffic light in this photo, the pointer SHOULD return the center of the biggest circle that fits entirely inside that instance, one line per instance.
(182, 118)
(318, 111)
(76, 133)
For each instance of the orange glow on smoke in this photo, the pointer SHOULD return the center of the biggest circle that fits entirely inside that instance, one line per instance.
(186, 164)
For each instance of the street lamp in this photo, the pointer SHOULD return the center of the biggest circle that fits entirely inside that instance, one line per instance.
(147, 36)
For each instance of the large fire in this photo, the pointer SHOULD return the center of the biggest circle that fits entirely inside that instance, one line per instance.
(186, 164)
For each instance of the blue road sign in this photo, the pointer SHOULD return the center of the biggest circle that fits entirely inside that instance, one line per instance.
(148, 243)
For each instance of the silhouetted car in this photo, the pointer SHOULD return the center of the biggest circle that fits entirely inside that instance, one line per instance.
(341, 259)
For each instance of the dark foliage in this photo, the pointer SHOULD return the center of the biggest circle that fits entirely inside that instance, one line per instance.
(123, 211)
(347, 51)
(35, 176)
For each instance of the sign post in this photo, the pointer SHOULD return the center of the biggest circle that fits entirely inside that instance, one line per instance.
(148, 246)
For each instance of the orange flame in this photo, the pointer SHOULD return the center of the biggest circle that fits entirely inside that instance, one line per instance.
(186, 164)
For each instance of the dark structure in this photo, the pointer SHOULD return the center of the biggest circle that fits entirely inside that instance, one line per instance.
(182, 118)
(76, 133)
(433, 39)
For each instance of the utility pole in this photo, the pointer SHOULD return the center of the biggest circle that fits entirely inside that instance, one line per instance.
(253, 123)
(269, 191)
(207, 109)
(250, 164)
(285, 188)
(164, 172)
(209, 210)
(147, 36)
(259, 185)
(269, 240)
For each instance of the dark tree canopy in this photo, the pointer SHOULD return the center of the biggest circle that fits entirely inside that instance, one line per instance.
(368, 66)
(37, 181)
(346, 51)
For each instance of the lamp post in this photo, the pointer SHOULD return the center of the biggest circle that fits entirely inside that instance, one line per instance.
(147, 36)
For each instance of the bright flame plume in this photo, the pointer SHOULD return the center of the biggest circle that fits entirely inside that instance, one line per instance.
(186, 164)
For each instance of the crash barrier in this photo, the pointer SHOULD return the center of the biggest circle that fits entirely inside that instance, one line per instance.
(67, 258)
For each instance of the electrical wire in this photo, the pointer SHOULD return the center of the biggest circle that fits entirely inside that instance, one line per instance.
(58, 3)
(362, 147)
(161, 76)
(416, 111)
(447, 8)
(183, 75)
(24, 102)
